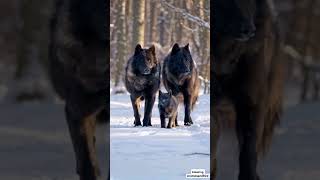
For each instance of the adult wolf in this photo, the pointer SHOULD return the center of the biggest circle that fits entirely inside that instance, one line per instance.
(78, 70)
(248, 78)
(142, 80)
(180, 76)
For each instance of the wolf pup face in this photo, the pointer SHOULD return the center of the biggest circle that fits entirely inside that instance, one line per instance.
(144, 60)
(167, 105)
(181, 63)
(235, 18)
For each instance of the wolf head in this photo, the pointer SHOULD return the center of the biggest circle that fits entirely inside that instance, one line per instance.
(235, 18)
(181, 63)
(167, 104)
(235, 22)
(144, 60)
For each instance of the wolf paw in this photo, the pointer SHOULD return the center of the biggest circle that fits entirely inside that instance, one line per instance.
(137, 123)
(188, 122)
(146, 122)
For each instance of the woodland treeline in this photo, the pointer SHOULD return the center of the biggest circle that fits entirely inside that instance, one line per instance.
(299, 22)
(24, 26)
(162, 23)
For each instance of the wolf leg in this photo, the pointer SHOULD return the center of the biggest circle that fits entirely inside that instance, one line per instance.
(82, 132)
(171, 122)
(187, 112)
(149, 102)
(135, 101)
(247, 136)
(176, 119)
(162, 121)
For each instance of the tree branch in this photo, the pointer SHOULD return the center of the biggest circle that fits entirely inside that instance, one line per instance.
(186, 15)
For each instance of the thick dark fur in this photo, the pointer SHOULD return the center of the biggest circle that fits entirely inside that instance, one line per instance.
(168, 108)
(248, 77)
(142, 80)
(180, 76)
(78, 70)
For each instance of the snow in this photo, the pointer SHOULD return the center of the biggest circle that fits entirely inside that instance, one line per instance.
(153, 152)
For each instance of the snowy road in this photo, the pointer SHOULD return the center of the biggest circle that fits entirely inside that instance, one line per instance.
(153, 152)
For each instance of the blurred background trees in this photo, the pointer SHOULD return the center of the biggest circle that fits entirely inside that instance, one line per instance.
(299, 23)
(24, 31)
(162, 23)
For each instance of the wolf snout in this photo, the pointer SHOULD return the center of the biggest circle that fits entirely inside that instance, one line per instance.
(146, 71)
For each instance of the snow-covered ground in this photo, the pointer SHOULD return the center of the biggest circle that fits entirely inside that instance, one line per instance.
(144, 153)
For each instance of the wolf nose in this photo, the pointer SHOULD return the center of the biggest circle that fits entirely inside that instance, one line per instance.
(146, 71)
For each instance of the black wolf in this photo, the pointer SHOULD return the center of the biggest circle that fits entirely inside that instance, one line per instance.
(180, 76)
(142, 80)
(168, 108)
(78, 70)
(248, 78)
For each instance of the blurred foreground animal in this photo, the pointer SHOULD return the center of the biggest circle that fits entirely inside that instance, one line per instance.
(78, 70)
(248, 80)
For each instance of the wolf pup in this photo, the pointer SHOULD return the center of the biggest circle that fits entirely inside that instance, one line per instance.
(78, 70)
(142, 81)
(168, 108)
(180, 75)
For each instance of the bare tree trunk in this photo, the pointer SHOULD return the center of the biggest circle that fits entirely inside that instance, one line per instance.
(162, 27)
(128, 24)
(177, 23)
(153, 21)
(146, 22)
(204, 36)
(171, 26)
(306, 47)
(121, 41)
(138, 10)
(291, 38)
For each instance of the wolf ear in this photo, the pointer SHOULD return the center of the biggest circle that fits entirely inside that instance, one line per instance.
(175, 48)
(138, 49)
(152, 49)
(186, 47)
